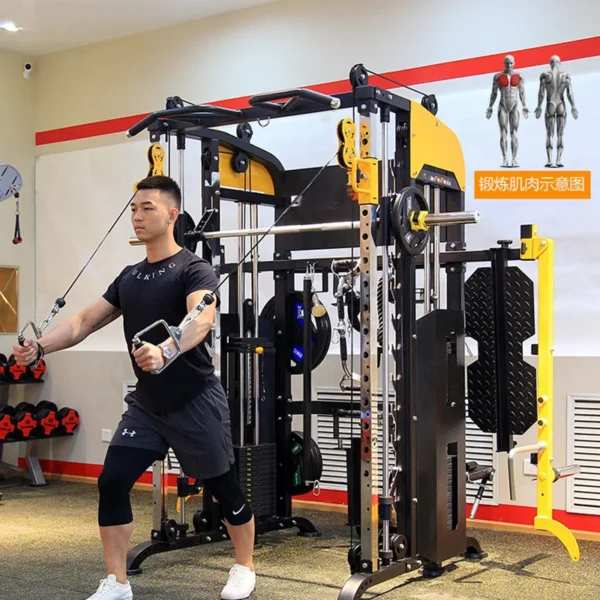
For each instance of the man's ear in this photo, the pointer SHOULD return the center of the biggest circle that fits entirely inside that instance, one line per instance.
(173, 214)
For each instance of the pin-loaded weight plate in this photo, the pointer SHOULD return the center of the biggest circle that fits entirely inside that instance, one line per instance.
(406, 204)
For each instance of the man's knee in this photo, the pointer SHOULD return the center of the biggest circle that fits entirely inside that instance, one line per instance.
(226, 489)
(114, 507)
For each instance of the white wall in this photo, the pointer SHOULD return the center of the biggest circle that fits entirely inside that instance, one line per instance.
(286, 44)
(16, 148)
(280, 45)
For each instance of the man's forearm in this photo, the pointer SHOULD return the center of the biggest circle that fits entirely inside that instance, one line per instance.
(69, 333)
(192, 335)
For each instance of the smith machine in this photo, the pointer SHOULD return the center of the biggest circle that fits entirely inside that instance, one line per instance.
(396, 194)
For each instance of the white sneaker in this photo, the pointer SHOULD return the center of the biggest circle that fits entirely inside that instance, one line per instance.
(240, 585)
(111, 589)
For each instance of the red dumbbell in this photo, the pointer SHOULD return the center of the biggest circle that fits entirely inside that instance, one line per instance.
(37, 372)
(69, 420)
(7, 426)
(47, 418)
(24, 421)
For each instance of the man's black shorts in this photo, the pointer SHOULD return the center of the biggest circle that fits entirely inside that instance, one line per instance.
(199, 433)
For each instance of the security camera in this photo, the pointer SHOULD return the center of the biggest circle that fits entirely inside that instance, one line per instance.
(27, 68)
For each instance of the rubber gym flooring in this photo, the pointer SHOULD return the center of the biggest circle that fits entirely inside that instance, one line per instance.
(50, 549)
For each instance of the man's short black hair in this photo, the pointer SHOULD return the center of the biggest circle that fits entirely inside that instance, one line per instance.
(164, 184)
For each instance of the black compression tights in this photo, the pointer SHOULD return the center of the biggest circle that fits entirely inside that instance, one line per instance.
(124, 466)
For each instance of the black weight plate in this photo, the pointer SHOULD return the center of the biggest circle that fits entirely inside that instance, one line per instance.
(321, 332)
(25, 407)
(8, 410)
(188, 223)
(299, 471)
(408, 200)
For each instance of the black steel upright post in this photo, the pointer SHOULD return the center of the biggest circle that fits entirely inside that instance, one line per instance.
(405, 352)
(499, 265)
(307, 375)
(284, 286)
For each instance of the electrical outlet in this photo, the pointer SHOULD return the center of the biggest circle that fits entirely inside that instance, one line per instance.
(528, 468)
(106, 435)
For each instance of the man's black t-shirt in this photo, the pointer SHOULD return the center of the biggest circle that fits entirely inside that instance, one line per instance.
(148, 292)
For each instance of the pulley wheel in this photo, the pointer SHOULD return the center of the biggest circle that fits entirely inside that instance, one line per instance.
(301, 472)
(188, 224)
(430, 103)
(358, 76)
(409, 200)
(244, 131)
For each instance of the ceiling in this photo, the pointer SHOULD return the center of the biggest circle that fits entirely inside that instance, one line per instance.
(54, 25)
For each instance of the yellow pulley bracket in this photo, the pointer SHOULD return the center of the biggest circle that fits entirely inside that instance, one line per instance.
(542, 250)
(156, 162)
(363, 172)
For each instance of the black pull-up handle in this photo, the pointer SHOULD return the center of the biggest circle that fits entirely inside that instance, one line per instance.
(197, 111)
(294, 96)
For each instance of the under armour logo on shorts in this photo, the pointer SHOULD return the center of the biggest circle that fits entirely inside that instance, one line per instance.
(129, 433)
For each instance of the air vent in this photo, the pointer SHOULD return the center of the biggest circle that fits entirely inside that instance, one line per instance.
(479, 446)
(583, 449)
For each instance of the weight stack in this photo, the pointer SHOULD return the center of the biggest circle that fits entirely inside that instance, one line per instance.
(256, 472)
(440, 443)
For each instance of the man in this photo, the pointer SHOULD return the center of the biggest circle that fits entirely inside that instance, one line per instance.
(511, 87)
(183, 408)
(553, 85)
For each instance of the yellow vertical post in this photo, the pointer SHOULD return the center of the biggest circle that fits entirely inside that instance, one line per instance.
(542, 250)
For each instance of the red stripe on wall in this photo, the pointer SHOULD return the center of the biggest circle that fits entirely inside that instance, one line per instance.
(60, 467)
(469, 67)
(505, 513)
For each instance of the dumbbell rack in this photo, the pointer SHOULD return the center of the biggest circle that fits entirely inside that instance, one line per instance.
(33, 473)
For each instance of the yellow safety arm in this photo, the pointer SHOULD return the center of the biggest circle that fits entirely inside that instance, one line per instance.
(542, 250)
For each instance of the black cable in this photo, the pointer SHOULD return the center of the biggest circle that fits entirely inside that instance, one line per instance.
(294, 204)
(408, 87)
(98, 247)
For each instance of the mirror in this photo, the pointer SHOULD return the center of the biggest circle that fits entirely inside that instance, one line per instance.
(9, 300)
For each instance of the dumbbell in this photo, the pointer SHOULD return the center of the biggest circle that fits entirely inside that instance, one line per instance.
(3, 363)
(46, 414)
(37, 372)
(7, 427)
(69, 420)
(13, 371)
(24, 420)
